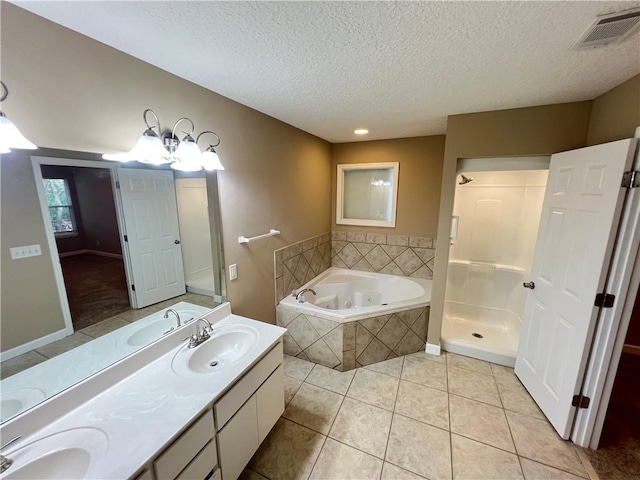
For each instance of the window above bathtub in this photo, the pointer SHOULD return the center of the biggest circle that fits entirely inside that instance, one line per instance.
(367, 194)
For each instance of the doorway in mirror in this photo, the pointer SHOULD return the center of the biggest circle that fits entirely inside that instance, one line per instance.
(83, 217)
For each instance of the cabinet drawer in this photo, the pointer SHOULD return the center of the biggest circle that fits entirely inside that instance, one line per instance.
(238, 440)
(202, 465)
(246, 386)
(178, 455)
(270, 399)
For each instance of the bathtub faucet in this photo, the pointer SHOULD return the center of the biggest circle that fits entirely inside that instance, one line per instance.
(300, 295)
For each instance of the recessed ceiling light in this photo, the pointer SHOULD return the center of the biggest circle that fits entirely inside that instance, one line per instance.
(361, 131)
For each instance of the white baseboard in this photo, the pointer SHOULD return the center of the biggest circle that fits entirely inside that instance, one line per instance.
(72, 253)
(105, 254)
(201, 291)
(632, 349)
(33, 344)
(91, 252)
(432, 349)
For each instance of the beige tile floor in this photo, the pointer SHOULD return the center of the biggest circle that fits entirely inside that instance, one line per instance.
(41, 354)
(412, 417)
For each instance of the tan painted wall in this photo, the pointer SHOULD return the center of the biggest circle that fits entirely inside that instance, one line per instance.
(70, 92)
(29, 304)
(519, 132)
(418, 182)
(615, 114)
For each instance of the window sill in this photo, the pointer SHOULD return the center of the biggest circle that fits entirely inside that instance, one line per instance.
(66, 234)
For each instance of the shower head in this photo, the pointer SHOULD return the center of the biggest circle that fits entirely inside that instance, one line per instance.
(465, 180)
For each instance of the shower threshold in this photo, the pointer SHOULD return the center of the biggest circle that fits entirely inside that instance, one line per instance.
(485, 333)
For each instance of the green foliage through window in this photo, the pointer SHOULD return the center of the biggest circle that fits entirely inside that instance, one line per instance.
(60, 205)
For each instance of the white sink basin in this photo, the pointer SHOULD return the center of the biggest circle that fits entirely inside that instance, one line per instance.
(64, 455)
(136, 336)
(227, 345)
(18, 400)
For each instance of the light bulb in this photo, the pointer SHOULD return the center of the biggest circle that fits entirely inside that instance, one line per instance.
(149, 149)
(10, 136)
(210, 160)
(187, 151)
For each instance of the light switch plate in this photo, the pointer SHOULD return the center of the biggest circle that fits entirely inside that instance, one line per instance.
(233, 271)
(25, 252)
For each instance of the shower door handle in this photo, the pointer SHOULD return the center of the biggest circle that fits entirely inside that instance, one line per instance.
(530, 285)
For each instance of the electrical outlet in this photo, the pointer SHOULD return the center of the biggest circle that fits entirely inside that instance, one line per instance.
(25, 252)
(233, 272)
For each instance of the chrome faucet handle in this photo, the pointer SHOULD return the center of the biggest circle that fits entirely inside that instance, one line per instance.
(5, 462)
(193, 340)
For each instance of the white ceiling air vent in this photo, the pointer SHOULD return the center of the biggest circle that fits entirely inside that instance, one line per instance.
(609, 29)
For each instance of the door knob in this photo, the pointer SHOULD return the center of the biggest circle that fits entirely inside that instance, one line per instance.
(177, 242)
(530, 285)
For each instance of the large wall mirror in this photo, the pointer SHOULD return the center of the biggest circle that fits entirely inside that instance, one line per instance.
(367, 194)
(94, 256)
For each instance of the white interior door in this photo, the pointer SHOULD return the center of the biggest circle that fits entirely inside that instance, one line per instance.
(153, 239)
(579, 220)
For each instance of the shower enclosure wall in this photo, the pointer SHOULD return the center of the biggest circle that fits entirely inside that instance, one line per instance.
(496, 217)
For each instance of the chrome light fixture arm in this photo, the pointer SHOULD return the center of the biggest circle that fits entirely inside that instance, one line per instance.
(5, 94)
(150, 128)
(211, 146)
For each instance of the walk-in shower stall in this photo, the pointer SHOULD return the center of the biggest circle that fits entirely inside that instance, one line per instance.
(493, 237)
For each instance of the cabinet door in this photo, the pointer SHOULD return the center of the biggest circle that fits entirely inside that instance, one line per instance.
(238, 440)
(270, 397)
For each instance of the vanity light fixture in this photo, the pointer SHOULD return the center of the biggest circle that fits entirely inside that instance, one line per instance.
(10, 136)
(158, 148)
(361, 131)
(379, 182)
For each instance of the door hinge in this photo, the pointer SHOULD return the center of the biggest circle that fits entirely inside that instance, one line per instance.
(133, 287)
(631, 179)
(126, 239)
(580, 401)
(117, 184)
(605, 300)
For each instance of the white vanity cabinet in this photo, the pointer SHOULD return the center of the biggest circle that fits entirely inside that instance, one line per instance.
(247, 412)
(192, 456)
(223, 439)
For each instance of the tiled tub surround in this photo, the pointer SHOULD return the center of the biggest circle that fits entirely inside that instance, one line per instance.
(300, 262)
(346, 338)
(393, 254)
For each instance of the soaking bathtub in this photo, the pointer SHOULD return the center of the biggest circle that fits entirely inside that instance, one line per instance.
(356, 318)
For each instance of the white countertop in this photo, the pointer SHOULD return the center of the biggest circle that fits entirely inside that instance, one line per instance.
(146, 410)
(56, 374)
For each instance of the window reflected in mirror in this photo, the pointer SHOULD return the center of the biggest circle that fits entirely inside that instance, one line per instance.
(367, 194)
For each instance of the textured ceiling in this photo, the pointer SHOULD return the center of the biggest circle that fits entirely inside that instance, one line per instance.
(396, 68)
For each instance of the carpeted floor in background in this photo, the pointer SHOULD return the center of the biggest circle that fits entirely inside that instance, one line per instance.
(618, 457)
(96, 288)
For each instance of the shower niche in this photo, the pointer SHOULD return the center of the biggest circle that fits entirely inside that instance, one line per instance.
(496, 218)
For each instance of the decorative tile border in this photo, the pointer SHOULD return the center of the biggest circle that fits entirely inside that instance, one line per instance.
(394, 254)
(300, 262)
(344, 346)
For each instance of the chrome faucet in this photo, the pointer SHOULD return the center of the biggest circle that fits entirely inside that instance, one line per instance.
(300, 295)
(171, 310)
(201, 334)
(5, 462)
